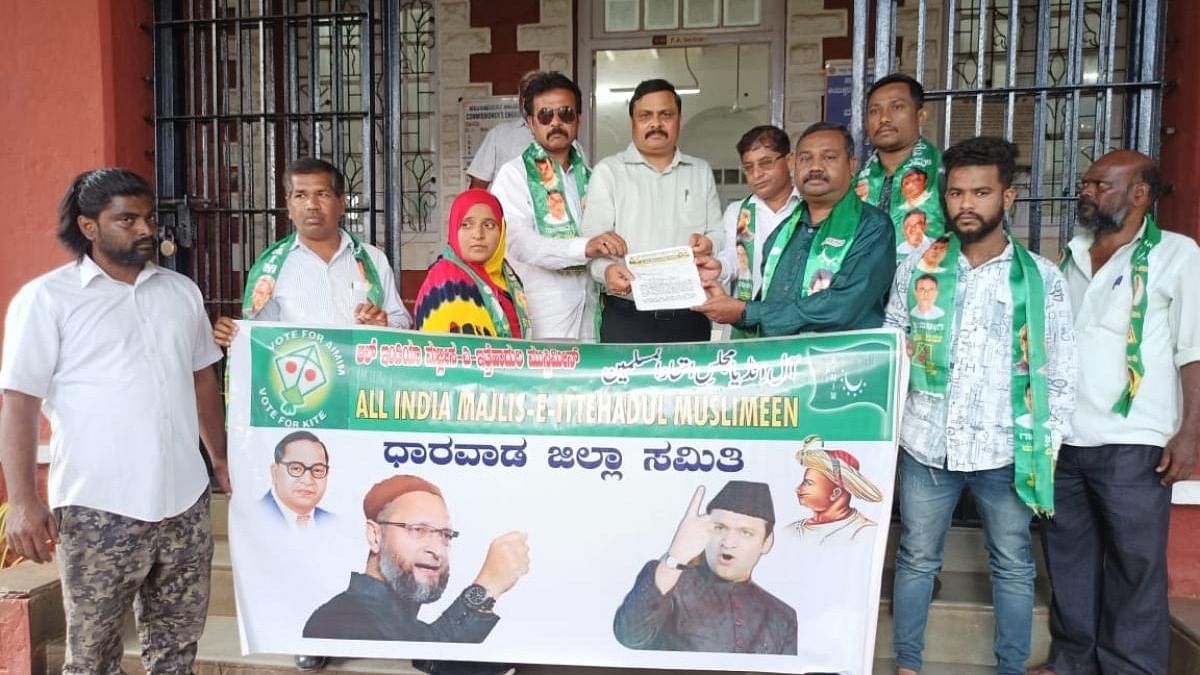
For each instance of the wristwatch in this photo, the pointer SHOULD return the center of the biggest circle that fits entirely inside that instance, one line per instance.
(671, 562)
(476, 597)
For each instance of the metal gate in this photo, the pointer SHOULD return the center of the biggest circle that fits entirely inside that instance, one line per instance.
(244, 86)
(1067, 80)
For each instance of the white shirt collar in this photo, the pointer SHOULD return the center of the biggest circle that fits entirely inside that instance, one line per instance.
(89, 270)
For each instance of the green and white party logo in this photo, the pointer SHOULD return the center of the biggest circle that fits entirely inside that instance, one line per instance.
(294, 376)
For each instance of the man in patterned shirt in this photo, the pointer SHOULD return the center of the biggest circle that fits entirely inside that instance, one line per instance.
(967, 388)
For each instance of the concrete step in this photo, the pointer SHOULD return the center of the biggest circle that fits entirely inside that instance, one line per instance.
(961, 623)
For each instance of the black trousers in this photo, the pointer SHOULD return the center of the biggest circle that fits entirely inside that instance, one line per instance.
(1106, 552)
(621, 322)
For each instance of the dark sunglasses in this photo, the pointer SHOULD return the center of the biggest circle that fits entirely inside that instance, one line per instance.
(546, 115)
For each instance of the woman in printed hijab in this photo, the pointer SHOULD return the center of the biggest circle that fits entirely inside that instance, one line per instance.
(471, 289)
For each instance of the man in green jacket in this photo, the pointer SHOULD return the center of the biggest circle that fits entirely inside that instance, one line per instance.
(829, 265)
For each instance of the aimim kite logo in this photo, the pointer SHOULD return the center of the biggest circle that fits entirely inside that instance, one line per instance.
(301, 373)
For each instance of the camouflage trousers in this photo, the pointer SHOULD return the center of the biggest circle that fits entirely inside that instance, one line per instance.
(108, 562)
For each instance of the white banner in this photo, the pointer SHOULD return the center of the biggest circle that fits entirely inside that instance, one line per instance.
(702, 506)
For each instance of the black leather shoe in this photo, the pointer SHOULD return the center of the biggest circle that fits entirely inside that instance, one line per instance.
(308, 664)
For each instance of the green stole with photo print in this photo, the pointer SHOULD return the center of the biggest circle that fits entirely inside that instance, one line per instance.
(539, 191)
(1139, 279)
(925, 157)
(539, 194)
(271, 262)
(744, 289)
(930, 337)
(828, 250)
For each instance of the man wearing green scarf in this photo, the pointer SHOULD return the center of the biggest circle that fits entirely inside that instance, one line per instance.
(319, 274)
(543, 191)
(828, 266)
(1136, 427)
(990, 398)
(902, 176)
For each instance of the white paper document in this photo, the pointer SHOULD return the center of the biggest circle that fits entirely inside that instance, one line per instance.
(665, 279)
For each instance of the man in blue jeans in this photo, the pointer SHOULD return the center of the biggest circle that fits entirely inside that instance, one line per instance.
(968, 420)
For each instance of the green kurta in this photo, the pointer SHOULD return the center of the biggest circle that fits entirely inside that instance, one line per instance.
(857, 296)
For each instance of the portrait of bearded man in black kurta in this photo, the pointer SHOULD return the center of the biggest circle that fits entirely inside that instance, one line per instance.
(699, 595)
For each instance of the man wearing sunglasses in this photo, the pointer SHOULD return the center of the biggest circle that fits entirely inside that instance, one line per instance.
(409, 536)
(299, 476)
(542, 191)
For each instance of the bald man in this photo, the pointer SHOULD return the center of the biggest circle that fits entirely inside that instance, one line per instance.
(1136, 425)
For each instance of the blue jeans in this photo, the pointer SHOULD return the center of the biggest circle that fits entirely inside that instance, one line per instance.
(927, 499)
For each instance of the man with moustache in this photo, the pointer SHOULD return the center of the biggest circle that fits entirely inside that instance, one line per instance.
(502, 142)
(1136, 426)
(320, 274)
(699, 596)
(831, 478)
(895, 114)
(409, 534)
(542, 192)
(914, 227)
(958, 426)
(117, 351)
(829, 265)
(766, 153)
(653, 196)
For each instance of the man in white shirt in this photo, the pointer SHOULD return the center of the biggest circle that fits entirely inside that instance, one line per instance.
(654, 197)
(502, 142)
(958, 429)
(1136, 426)
(119, 354)
(542, 191)
(318, 275)
(766, 154)
(321, 274)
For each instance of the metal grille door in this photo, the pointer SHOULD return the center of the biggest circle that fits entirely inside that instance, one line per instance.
(1066, 80)
(244, 86)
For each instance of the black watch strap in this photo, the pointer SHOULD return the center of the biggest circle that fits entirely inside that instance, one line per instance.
(476, 597)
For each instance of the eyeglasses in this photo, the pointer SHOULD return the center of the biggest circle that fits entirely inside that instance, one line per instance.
(297, 469)
(546, 115)
(761, 165)
(421, 532)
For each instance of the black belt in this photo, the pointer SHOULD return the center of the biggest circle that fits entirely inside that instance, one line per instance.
(629, 307)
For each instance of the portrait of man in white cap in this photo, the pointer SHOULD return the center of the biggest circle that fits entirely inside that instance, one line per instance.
(831, 479)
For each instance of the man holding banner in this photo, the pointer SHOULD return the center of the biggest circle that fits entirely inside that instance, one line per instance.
(320, 274)
(966, 390)
(828, 266)
(542, 192)
(895, 114)
(1136, 428)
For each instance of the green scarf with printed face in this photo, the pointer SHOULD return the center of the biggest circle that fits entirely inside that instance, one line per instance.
(260, 282)
(869, 183)
(828, 250)
(931, 301)
(744, 240)
(540, 189)
(1139, 280)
